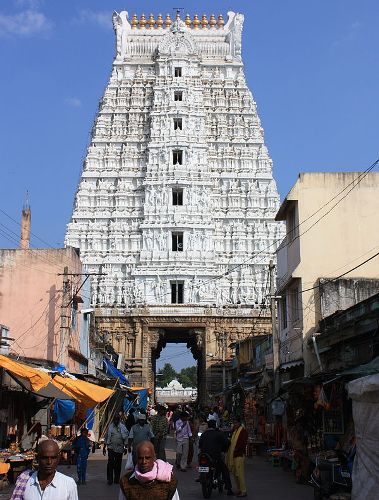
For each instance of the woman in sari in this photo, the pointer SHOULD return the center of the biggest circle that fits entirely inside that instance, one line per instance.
(236, 456)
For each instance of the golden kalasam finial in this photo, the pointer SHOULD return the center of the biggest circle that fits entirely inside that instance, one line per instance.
(195, 22)
(159, 21)
(212, 21)
(150, 22)
(220, 21)
(134, 21)
(142, 21)
(168, 21)
(187, 21)
(204, 21)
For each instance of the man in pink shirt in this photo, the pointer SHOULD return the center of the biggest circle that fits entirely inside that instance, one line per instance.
(182, 434)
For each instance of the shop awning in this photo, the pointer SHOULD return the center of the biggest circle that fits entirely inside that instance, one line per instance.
(370, 368)
(291, 364)
(43, 384)
(35, 379)
(87, 394)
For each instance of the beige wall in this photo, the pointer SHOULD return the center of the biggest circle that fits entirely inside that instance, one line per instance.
(343, 238)
(31, 299)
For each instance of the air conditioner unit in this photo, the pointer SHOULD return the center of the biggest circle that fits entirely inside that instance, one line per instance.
(120, 361)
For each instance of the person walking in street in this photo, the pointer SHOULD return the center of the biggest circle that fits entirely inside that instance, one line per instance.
(183, 434)
(236, 455)
(215, 444)
(151, 478)
(194, 440)
(159, 426)
(82, 446)
(141, 431)
(130, 420)
(116, 442)
(47, 482)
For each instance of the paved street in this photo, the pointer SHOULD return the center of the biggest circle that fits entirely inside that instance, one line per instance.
(264, 482)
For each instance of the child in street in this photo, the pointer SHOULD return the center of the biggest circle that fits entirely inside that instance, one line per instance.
(82, 445)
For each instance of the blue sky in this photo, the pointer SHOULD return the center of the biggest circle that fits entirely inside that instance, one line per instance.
(311, 65)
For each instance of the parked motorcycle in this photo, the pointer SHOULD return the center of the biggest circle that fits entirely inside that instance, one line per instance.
(330, 476)
(210, 476)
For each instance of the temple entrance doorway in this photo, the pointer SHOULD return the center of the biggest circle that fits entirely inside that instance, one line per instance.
(176, 375)
(180, 348)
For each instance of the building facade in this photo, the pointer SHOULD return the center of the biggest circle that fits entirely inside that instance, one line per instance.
(330, 220)
(177, 200)
(42, 315)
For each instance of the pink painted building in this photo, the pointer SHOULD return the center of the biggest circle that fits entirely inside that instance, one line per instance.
(42, 315)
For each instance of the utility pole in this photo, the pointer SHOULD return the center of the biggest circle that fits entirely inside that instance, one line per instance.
(275, 336)
(223, 362)
(67, 300)
(64, 316)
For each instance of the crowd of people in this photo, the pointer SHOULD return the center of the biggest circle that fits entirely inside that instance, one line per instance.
(141, 434)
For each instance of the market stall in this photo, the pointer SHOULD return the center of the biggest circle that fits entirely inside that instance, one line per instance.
(50, 390)
(364, 392)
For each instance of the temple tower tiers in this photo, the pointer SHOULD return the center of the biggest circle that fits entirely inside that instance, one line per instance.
(176, 201)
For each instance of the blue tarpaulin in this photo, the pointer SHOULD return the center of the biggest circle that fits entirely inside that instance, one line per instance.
(139, 400)
(63, 411)
(113, 372)
(128, 403)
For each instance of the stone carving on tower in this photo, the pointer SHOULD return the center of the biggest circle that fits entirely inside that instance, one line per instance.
(177, 200)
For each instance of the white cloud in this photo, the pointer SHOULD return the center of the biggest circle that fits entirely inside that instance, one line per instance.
(100, 18)
(26, 23)
(32, 4)
(349, 35)
(73, 102)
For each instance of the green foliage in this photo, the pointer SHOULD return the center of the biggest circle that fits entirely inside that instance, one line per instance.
(168, 374)
(187, 376)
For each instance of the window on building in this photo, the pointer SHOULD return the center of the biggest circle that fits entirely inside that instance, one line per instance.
(178, 72)
(4, 340)
(291, 225)
(178, 124)
(295, 310)
(177, 196)
(177, 157)
(283, 311)
(177, 242)
(177, 289)
(178, 95)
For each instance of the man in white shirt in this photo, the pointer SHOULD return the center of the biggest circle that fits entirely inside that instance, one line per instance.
(182, 434)
(47, 483)
(116, 442)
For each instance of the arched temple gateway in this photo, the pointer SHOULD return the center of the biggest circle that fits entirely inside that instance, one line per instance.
(176, 201)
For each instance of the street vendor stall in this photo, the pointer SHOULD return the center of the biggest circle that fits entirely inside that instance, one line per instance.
(47, 388)
(364, 392)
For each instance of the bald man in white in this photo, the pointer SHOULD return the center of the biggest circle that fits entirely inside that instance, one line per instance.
(46, 483)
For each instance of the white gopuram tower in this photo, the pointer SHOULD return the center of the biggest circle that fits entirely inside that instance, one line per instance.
(177, 200)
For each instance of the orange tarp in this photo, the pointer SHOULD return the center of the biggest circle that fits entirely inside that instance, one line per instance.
(85, 393)
(36, 378)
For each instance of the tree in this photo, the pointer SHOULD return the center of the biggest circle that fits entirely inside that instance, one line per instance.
(188, 376)
(166, 375)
